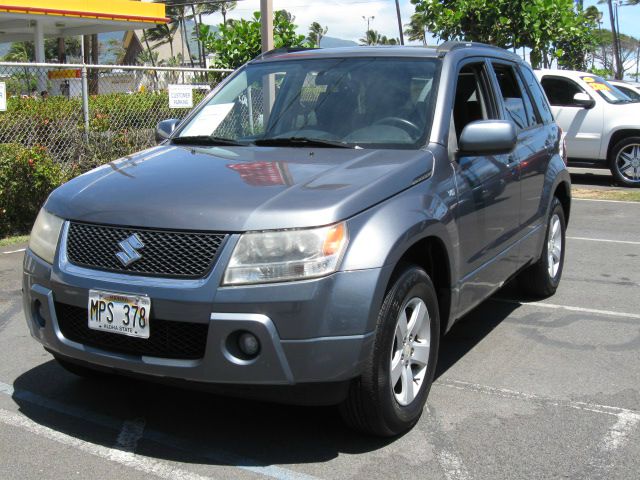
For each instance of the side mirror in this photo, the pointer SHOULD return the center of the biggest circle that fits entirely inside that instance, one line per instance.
(165, 128)
(583, 100)
(488, 137)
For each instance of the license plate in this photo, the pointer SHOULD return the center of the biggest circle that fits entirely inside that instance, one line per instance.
(119, 313)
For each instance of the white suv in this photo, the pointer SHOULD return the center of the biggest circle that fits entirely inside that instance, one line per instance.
(601, 123)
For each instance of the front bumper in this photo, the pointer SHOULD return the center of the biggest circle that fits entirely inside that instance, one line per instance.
(311, 331)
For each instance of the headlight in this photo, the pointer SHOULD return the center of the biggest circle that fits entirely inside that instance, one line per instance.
(45, 234)
(278, 256)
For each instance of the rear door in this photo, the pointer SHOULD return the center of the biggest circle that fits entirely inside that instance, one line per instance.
(536, 141)
(583, 126)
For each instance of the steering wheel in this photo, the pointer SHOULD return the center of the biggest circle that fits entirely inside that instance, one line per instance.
(400, 122)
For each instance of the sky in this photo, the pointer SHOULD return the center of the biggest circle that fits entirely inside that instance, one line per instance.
(344, 17)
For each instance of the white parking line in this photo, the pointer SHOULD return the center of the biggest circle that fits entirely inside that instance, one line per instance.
(130, 433)
(608, 201)
(516, 395)
(142, 464)
(452, 466)
(619, 433)
(218, 457)
(570, 308)
(13, 251)
(628, 242)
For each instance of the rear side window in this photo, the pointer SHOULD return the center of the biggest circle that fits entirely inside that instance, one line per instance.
(516, 102)
(632, 94)
(538, 95)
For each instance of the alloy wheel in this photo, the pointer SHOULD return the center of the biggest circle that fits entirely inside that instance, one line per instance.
(554, 246)
(410, 351)
(628, 162)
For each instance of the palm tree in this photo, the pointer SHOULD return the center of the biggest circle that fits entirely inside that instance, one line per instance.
(373, 37)
(417, 30)
(316, 32)
(161, 35)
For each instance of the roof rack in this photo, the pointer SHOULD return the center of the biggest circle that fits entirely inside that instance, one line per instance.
(281, 50)
(451, 45)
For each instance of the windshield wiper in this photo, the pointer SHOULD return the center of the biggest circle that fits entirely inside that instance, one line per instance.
(207, 140)
(300, 142)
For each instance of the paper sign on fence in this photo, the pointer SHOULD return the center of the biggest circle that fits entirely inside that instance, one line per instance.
(3, 97)
(180, 96)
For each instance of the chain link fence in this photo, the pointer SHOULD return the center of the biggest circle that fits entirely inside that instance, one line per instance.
(86, 115)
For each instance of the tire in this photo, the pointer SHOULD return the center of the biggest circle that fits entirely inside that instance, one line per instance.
(373, 404)
(81, 370)
(542, 278)
(624, 162)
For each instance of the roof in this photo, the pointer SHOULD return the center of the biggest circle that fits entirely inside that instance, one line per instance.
(383, 51)
(64, 18)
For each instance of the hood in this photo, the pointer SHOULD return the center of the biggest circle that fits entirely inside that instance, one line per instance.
(235, 189)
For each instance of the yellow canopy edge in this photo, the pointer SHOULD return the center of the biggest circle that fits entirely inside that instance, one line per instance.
(121, 10)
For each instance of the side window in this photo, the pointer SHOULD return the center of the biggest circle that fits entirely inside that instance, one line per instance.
(560, 91)
(538, 95)
(470, 103)
(518, 104)
(632, 94)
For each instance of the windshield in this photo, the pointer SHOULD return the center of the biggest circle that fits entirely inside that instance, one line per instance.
(607, 91)
(376, 102)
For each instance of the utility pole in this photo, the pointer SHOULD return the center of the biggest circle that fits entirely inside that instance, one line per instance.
(266, 24)
(637, 62)
(399, 22)
(268, 81)
(616, 51)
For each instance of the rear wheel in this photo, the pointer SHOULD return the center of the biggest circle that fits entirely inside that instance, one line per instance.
(389, 397)
(543, 277)
(624, 162)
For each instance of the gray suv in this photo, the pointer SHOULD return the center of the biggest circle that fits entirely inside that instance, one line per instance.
(310, 231)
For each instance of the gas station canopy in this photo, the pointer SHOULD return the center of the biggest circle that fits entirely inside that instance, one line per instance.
(32, 20)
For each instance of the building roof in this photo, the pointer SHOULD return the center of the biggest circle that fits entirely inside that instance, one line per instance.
(65, 18)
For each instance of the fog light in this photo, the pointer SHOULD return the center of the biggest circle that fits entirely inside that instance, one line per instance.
(36, 311)
(249, 344)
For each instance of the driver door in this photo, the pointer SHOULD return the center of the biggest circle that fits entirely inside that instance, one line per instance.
(582, 126)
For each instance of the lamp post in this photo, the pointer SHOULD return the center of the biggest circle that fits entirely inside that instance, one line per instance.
(368, 20)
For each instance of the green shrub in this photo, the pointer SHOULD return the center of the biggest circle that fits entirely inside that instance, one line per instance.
(27, 176)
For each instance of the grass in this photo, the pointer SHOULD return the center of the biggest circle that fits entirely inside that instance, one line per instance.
(8, 241)
(629, 194)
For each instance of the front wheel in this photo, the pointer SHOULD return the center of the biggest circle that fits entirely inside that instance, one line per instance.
(389, 396)
(624, 162)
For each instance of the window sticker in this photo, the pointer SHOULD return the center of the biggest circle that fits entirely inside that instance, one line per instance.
(588, 79)
(600, 87)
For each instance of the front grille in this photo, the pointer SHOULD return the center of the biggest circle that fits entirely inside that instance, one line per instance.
(165, 253)
(167, 339)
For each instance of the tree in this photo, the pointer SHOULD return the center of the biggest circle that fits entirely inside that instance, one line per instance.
(547, 27)
(604, 52)
(316, 32)
(416, 29)
(161, 34)
(238, 41)
(26, 52)
(373, 37)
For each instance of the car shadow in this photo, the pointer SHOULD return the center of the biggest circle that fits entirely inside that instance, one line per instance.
(591, 179)
(199, 427)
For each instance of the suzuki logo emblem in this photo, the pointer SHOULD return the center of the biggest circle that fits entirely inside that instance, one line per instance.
(129, 253)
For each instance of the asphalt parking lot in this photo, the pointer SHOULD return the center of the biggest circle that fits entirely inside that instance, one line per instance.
(545, 389)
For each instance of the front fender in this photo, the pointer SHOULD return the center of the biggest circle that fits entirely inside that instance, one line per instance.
(380, 236)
